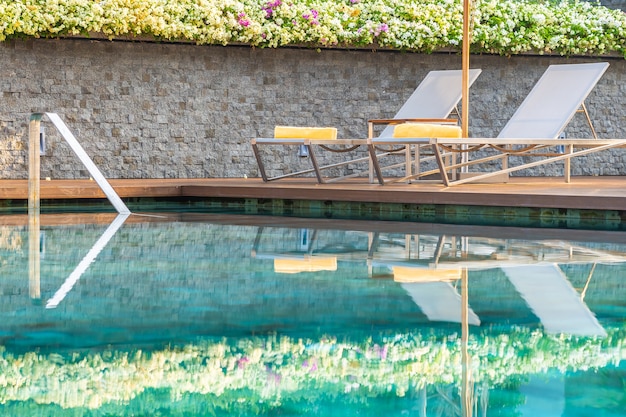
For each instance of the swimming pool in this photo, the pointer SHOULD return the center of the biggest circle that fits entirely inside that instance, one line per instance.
(205, 314)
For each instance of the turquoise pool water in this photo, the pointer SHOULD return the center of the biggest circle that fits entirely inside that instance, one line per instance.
(202, 315)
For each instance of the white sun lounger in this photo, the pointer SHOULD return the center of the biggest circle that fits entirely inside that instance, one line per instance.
(554, 100)
(558, 95)
(434, 99)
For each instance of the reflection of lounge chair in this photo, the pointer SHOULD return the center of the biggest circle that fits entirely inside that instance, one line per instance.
(294, 265)
(554, 301)
(303, 259)
(430, 288)
(435, 98)
(426, 264)
(432, 291)
(532, 130)
(532, 269)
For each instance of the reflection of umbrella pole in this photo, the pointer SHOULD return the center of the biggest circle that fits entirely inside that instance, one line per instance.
(466, 389)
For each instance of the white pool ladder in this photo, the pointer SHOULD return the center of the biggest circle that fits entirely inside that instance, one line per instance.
(34, 167)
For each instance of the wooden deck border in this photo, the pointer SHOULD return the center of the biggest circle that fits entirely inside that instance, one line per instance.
(586, 202)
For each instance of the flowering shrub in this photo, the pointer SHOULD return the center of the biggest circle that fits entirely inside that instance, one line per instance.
(499, 26)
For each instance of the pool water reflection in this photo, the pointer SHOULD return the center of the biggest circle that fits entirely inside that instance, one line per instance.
(197, 314)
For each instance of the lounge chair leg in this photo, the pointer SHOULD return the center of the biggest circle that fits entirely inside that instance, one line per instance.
(374, 162)
(255, 149)
(418, 157)
(408, 161)
(568, 164)
(316, 167)
(441, 164)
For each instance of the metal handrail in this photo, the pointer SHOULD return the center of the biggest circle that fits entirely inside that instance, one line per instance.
(34, 171)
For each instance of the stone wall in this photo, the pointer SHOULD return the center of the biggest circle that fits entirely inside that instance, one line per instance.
(151, 110)
(614, 4)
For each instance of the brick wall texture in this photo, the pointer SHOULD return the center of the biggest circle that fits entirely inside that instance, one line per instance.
(614, 4)
(153, 110)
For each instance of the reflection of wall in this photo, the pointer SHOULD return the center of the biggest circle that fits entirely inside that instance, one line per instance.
(148, 110)
(481, 294)
(202, 281)
(202, 277)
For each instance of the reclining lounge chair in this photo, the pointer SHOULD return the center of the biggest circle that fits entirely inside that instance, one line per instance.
(531, 131)
(434, 100)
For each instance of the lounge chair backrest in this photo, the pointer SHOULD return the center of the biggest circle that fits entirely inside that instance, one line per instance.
(434, 98)
(553, 101)
(294, 132)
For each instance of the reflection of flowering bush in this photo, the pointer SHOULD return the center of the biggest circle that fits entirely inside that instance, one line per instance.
(270, 370)
(500, 26)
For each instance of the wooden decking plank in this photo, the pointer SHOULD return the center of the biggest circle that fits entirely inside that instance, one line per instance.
(595, 193)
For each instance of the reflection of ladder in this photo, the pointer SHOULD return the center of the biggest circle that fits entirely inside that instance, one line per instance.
(87, 260)
(34, 147)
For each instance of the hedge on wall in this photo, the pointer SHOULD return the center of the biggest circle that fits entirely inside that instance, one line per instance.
(499, 26)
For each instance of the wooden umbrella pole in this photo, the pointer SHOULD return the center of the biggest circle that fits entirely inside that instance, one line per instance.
(467, 5)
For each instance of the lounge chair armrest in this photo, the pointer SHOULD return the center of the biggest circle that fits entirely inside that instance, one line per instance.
(416, 120)
(279, 141)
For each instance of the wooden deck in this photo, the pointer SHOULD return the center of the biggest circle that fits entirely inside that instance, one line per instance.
(585, 193)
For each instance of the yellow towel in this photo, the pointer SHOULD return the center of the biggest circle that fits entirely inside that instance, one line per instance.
(293, 132)
(426, 130)
(306, 264)
(407, 274)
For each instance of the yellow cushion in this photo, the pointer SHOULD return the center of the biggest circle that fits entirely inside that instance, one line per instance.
(407, 274)
(293, 132)
(306, 264)
(426, 130)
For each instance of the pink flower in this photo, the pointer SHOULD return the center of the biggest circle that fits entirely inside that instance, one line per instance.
(312, 366)
(270, 6)
(381, 352)
(242, 20)
(382, 28)
(313, 15)
(272, 377)
(242, 362)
